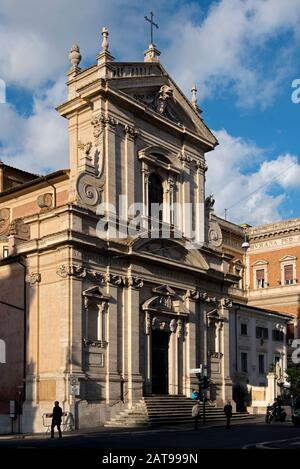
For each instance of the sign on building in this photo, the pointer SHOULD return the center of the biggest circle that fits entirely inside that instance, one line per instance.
(74, 386)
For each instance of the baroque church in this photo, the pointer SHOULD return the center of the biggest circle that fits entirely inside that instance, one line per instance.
(93, 289)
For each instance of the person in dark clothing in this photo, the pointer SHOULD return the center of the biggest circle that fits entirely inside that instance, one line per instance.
(56, 419)
(228, 413)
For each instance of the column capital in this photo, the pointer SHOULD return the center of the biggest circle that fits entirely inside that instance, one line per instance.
(131, 132)
(134, 282)
(33, 278)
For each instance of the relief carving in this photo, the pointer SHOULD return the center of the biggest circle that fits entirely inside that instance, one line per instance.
(45, 201)
(80, 272)
(19, 229)
(4, 220)
(134, 282)
(33, 278)
(88, 189)
(131, 132)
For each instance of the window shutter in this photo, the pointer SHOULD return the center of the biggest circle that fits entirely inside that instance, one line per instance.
(260, 274)
(288, 272)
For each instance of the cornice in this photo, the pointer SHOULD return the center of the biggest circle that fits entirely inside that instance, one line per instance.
(272, 230)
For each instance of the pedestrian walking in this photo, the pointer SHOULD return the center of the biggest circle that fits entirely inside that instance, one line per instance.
(56, 419)
(195, 395)
(196, 414)
(292, 402)
(228, 413)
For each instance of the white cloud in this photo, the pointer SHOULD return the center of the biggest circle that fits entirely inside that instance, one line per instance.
(249, 196)
(227, 50)
(224, 50)
(38, 143)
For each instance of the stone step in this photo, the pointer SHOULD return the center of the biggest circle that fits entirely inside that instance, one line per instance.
(166, 410)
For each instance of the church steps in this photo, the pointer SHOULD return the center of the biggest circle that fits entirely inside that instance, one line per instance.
(167, 410)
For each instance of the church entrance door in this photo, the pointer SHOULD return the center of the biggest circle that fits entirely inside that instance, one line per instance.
(160, 359)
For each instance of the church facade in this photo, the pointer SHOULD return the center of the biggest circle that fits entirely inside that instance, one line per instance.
(116, 264)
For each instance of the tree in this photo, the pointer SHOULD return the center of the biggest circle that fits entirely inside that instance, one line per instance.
(241, 397)
(293, 377)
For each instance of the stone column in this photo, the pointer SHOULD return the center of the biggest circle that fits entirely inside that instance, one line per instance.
(114, 283)
(145, 195)
(190, 342)
(135, 387)
(110, 163)
(225, 350)
(130, 182)
(148, 355)
(202, 342)
(186, 209)
(200, 200)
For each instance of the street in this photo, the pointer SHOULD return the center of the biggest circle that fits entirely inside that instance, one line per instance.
(254, 434)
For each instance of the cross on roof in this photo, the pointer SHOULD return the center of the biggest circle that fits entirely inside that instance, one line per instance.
(152, 24)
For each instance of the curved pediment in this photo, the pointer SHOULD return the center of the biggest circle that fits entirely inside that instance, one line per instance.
(174, 250)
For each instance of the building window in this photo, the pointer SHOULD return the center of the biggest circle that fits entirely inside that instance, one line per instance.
(244, 362)
(243, 329)
(288, 270)
(278, 335)
(290, 331)
(92, 323)
(155, 196)
(262, 332)
(288, 274)
(5, 251)
(261, 364)
(260, 278)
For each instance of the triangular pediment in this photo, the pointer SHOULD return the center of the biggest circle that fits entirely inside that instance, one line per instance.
(150, 85)
(96, 293)
(164, 290)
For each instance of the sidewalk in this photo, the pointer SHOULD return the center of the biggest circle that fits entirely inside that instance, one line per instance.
(121, 430)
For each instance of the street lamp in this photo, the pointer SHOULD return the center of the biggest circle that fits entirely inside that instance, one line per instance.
(20, 403)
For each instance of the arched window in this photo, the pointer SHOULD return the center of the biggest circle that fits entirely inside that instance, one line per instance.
(155, 196)
(2, 351)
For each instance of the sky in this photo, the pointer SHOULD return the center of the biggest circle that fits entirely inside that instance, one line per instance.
(243, 56)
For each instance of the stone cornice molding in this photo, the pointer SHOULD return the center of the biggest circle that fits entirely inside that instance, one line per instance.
(101, 87)
(80, 272)
(214, 301)
(274, 229)
(192, 295)
(117, 280)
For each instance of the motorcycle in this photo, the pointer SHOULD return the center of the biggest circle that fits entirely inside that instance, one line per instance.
(275, 413)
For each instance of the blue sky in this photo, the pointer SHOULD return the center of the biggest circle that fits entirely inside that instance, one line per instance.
(243, 56)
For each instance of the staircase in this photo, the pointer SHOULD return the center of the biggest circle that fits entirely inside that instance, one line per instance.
(167, 410)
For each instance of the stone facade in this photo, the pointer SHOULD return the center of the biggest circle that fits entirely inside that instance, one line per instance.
(108, 304)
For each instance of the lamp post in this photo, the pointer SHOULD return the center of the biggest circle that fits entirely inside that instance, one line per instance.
(245, 247)
(20, 404)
